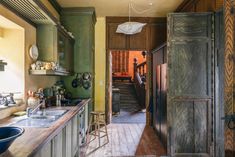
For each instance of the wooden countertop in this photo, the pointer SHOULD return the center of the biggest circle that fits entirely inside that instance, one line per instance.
(33, 139)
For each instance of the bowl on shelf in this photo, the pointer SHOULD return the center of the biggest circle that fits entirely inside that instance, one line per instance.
(8, 135)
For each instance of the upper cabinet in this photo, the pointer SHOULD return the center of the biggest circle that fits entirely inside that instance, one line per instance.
(55, 45)
(151, 36)
(65, 50)
(81, 22)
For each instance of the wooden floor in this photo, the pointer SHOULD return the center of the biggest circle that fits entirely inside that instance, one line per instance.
(127, 140)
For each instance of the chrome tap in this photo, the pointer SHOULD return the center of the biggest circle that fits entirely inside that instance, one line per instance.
(30, 111)
(6, 100)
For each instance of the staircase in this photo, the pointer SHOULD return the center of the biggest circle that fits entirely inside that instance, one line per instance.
(128, 100)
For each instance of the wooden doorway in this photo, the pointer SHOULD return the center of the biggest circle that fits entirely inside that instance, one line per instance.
(122, 83)
(153, 35)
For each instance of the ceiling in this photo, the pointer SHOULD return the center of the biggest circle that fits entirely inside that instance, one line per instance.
(154, 8)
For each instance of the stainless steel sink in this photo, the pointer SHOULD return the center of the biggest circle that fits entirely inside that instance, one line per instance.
(42, 119)
(51, 112)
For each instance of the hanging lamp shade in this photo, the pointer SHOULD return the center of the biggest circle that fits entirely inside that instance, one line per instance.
(130, 28)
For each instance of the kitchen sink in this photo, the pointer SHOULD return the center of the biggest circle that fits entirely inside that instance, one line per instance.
(41, 119)
(51, 112)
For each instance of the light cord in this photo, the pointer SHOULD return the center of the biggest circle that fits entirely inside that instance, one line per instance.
(131, 6)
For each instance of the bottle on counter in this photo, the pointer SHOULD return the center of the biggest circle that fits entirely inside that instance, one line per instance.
(58, 100)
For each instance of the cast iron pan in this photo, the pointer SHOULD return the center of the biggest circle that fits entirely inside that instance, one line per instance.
(86, 76)
(86, 84)
(75, 82)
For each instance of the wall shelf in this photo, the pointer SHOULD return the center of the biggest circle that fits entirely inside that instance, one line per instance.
(49, 72)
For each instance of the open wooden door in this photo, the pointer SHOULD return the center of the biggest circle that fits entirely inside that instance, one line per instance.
(190, 84)
(108, 88)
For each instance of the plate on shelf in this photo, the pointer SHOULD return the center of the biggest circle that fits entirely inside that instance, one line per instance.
(33, 52)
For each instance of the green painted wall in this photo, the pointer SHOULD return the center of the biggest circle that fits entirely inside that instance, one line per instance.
(81, 21)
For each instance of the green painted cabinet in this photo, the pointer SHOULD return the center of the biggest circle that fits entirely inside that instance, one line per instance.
(81, 22)
(47, 42)
(65, 50)
(55, 45)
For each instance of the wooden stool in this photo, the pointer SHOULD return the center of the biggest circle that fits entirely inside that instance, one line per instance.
(97, 119)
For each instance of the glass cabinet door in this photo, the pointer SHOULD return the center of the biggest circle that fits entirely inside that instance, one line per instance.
(61, 49)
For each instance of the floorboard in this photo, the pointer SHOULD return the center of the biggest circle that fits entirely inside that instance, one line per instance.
(127, 140)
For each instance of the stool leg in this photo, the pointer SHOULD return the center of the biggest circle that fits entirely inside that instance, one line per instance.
(98, 123)
(88, 131)
(106, 130)
(96, 128)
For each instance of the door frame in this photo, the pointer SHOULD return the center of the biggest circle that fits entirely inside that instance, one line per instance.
(108, 91)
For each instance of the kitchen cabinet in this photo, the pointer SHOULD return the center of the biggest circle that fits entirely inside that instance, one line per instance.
(65, 50)
(81, 22)
(55, 45)
(57, 145)
(47, 42)
(67, 142)
(75, 133)
(46, 150)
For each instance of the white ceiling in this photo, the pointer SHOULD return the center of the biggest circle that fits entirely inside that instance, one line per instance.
(159, 8)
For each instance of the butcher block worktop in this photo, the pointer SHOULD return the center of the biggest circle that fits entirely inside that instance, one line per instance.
(33, 139)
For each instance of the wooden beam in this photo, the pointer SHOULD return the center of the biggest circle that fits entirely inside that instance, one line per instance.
(185, 4)
(56, 5)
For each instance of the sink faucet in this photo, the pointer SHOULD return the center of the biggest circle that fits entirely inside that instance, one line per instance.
(5, 101)
(30, 111)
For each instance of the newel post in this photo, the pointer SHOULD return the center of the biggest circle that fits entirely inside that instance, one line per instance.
(135, 68)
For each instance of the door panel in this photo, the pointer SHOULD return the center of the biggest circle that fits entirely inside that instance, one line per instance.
(189, 25)
(139, 41)
(163, 104)
(189, 107)
(191, 64)
(158, 99)
(116, 40)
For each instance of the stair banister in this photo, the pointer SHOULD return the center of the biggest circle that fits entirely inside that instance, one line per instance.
(139, 72)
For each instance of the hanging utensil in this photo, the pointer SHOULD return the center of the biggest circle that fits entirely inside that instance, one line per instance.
(86, 84)
(75, 82)
(86, 76)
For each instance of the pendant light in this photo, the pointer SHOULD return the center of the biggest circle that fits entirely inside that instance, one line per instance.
(129, 27)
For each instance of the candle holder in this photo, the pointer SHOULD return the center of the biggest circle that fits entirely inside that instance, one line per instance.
(230, 121)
